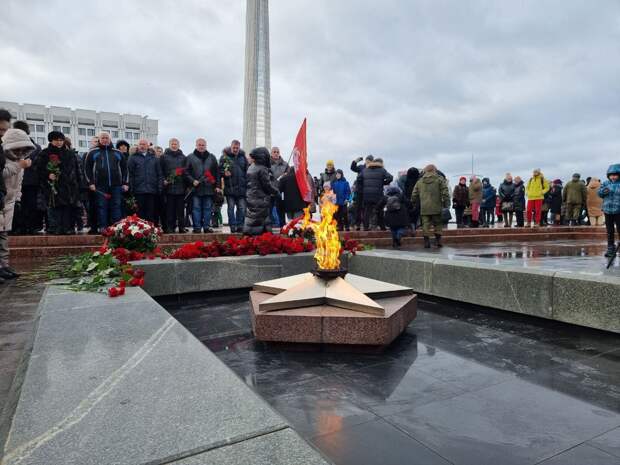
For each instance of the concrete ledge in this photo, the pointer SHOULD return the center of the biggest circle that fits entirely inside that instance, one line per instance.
(169, 277)
(514, 289)
(121, 381)
(592, 301)
(579, 299)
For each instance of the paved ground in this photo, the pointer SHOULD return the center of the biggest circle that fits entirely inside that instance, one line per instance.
(462, 385)
(18, 305)
(584, 256)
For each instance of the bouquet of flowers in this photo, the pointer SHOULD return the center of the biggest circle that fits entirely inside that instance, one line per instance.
(96, 271)
(294, 228)
(53, 167)
(209, 177)
(133, 233)
(175, 175)
(131, 204)
(227, 163)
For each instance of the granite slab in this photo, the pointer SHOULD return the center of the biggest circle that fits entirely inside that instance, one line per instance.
(280, 448)
(126, 384)
(169, 277)
(585, 300)
(507, 288)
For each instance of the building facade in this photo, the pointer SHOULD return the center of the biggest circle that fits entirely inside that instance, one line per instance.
(81, 125)
(257, 91)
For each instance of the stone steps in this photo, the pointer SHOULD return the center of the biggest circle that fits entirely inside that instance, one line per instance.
(39, 246)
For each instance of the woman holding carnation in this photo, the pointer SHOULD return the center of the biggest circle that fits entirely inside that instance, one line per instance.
(59, 178)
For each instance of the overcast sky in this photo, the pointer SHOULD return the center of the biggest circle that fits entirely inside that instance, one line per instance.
(519, 84)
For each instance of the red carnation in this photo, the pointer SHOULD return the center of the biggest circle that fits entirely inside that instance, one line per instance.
(179, 171)
(209, 177)
(113, 292)
(54, 158)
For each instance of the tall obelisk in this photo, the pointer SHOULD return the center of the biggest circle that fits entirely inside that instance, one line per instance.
(257, 96)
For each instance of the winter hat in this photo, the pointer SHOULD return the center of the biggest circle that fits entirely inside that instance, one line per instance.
(330, 163)
(370, 158)
(16, 139)
(462, 178)
(613, 169)
(327, 185)
(55, 135)
(557, 181)
(577, 176)
(121, 143)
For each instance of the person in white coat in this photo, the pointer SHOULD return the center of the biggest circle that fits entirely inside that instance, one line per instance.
(16, 146)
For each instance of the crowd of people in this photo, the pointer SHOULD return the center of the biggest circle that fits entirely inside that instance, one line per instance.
(56, 190)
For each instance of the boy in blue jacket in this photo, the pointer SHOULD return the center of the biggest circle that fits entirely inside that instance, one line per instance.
(342, 189)
(610, 193)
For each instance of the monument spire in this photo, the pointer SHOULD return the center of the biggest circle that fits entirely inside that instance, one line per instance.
(257, 91)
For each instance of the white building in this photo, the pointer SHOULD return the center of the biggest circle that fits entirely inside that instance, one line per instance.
(82, 125)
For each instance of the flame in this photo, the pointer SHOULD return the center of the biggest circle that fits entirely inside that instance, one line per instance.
(327, 254)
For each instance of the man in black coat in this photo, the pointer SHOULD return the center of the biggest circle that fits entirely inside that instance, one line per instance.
(173, 165)
(233, 170)
(145, 179)
(358, 168)
(372, 180)
(203, 174)
(294, 204)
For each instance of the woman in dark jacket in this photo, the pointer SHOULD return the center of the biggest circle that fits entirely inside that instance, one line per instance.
(413, 175)
(260, 188)
(396, 217)
(519, 200)
(554, 199)
(372, 180)
(59, 178)
(460, 200)
(506, 194)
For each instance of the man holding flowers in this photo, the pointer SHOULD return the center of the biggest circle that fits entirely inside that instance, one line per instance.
(202, 173)
(173, 165)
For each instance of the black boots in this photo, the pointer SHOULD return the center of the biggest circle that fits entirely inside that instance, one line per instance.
(438, 241)
(427, 242)
(611, 251)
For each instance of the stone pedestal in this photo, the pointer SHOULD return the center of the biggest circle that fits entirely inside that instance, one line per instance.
(327, 324)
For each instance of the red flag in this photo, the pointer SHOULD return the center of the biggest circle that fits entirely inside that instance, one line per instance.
(300, 161)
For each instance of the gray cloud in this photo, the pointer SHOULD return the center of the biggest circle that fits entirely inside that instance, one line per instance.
(517, 84)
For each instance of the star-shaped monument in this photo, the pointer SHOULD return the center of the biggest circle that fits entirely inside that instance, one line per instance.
(352, 292)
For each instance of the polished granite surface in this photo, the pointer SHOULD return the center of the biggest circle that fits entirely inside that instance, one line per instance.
(577, 256)
(462, 385)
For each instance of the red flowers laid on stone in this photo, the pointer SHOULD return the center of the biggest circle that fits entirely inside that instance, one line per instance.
(265, 244)
(116, 291)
